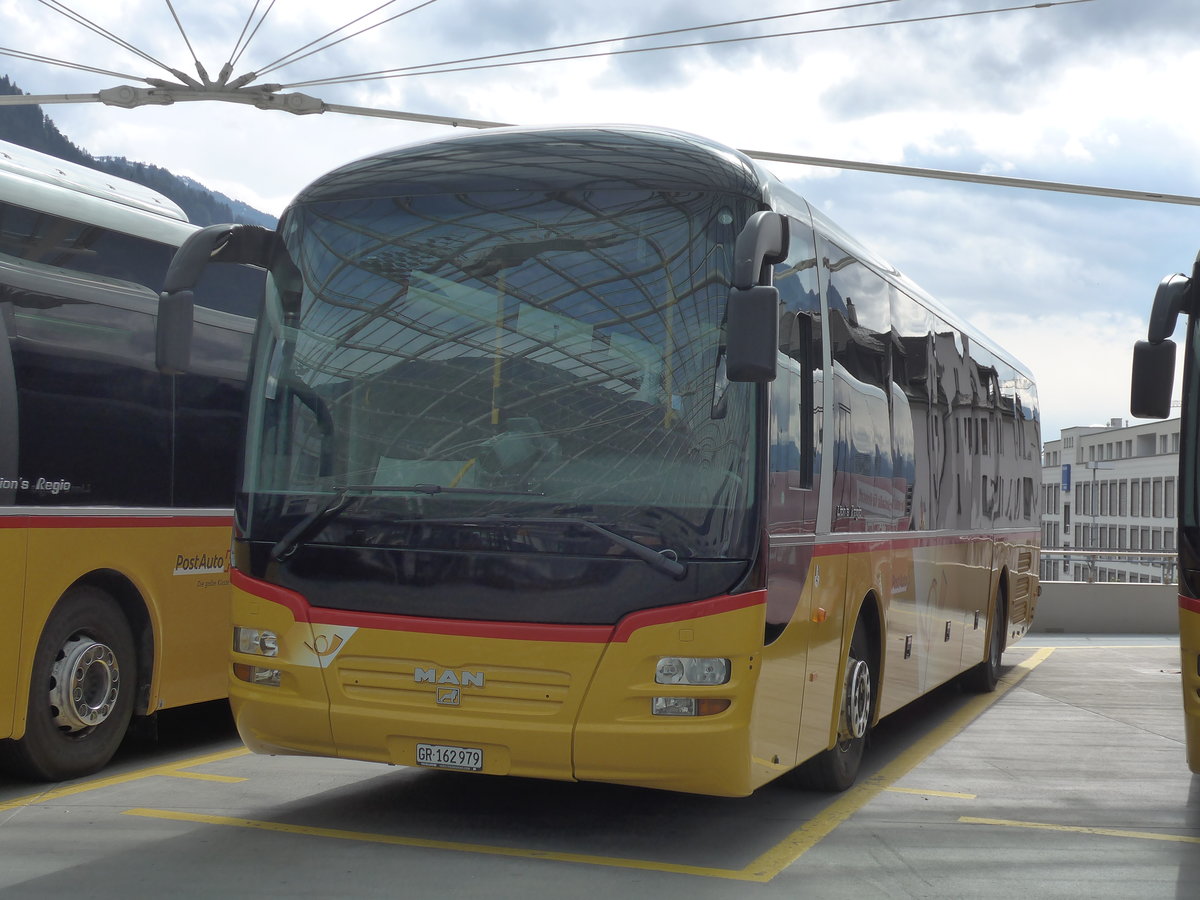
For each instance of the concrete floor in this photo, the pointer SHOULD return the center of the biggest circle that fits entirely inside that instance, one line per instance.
(1070, 782)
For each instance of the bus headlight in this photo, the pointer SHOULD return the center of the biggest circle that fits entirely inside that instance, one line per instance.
(692, 670)
(256, 641)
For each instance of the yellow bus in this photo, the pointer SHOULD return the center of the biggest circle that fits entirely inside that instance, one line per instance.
(116, 482)
(1150, 398)
(596, 453)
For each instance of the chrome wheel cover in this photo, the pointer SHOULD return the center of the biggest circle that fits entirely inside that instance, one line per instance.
(856, 710)
(85, 684)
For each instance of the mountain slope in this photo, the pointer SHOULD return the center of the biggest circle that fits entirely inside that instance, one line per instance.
(29, 127)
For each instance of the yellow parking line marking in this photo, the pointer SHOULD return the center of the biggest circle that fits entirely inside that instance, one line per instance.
(762, 869)
(1083, 829)
(397, 840)
(112, 780)
(201, 776)
(812, 832)
(951, 794)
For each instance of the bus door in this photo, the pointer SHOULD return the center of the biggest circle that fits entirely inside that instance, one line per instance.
(802, 636)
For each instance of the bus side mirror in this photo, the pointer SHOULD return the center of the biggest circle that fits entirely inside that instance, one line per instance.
(1153, 377)
(752, 315)
(247, 244)
(1154, 358)
(173, 332)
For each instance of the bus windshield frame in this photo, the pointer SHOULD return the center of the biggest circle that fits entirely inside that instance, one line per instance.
(473, 361)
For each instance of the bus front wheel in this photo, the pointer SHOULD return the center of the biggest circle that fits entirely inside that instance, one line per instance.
(836, 768)
(81, 690)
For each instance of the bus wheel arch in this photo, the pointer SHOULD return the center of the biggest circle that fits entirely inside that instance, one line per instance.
(83, 688)
(836, 768)
(137, 614)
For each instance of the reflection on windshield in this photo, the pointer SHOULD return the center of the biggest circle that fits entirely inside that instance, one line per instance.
(466, 353)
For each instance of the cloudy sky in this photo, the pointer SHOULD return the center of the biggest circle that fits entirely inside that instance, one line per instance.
(1099, 92)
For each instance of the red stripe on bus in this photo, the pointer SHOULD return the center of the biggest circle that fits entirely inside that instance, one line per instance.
(698, 610)
(116, 521)
(303, 611)
(290, 600)
(1191, 604)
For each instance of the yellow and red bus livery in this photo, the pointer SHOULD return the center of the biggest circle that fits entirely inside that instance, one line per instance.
(596, 453)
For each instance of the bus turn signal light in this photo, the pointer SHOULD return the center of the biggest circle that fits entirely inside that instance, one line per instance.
(256, 675)
(688, 706)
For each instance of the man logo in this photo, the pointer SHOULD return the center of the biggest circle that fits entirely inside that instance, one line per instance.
(448, 696)
(448, 676)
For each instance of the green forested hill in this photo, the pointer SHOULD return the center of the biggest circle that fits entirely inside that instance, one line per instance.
(29, 127)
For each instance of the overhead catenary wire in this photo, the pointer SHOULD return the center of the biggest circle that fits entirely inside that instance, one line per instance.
(286, 61)
(63, 10)
(183, 32)
(240, 47)
(50, 61)
(432, 68)
(629, 37)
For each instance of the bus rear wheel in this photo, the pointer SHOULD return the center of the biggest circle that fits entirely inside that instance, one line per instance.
(983, 678)
(81, 690)
(835, 769)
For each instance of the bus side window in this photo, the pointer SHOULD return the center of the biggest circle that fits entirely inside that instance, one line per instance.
(796, 345)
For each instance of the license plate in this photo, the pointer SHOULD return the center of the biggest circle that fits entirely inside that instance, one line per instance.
(443, 756)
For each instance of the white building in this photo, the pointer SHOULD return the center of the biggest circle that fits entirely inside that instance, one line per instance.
(1110, 488)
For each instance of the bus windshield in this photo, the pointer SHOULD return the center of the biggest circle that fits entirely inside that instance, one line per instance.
(544, 356)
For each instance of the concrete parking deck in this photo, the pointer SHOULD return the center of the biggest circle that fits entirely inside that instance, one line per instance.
(1071, 782)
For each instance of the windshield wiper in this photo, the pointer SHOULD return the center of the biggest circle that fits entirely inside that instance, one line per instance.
(665, 561)
(334, 504)
(327, 510)
(442, 489)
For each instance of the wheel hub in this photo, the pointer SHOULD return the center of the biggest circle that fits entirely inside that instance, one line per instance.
(85, 684)
(856, 712)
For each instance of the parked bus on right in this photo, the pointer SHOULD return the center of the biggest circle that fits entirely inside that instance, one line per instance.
(1150, 398)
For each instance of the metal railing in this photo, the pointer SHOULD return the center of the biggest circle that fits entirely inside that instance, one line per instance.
(1130, 566)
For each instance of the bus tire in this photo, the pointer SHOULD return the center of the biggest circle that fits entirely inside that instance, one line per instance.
(983, 678)
(836, 769)
(81, 690)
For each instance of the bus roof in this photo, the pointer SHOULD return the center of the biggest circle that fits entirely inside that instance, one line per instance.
(581, 157)
(39, 181)
(596, 157)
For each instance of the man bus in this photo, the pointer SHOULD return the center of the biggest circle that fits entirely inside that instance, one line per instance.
(596, 453)
(115, 481)
(1150, 398)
